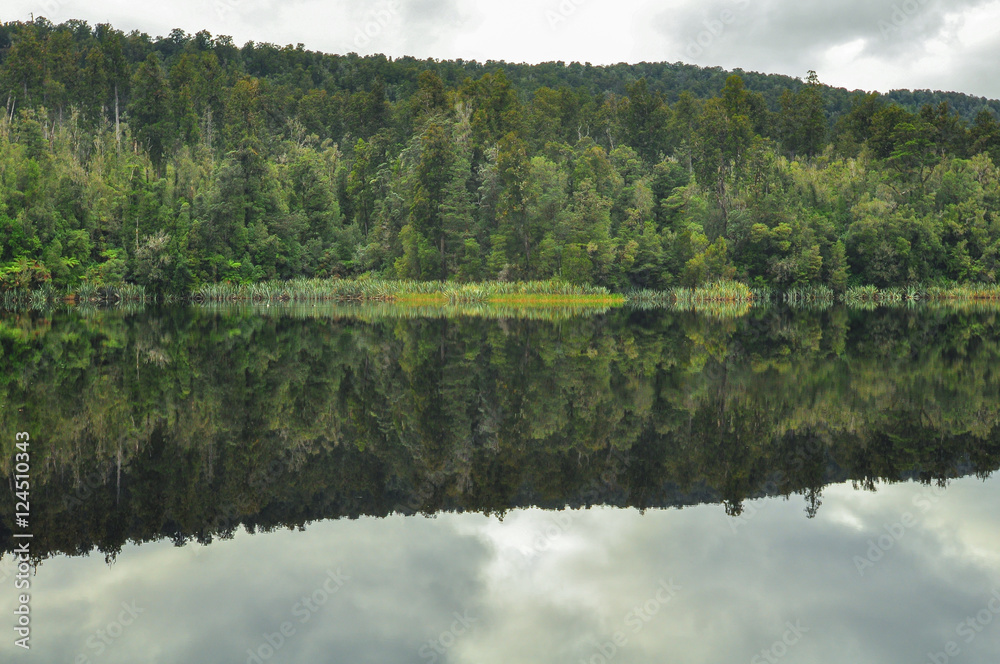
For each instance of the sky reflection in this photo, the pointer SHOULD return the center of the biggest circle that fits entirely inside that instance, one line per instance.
(688, 585)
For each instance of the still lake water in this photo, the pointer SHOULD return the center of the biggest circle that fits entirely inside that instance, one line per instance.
(333, 485)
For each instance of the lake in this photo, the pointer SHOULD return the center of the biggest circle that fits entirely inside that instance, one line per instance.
(372, 484)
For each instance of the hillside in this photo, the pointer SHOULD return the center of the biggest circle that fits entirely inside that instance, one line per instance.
(183, 160)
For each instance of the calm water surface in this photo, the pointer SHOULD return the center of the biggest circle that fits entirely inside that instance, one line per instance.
(327, 485)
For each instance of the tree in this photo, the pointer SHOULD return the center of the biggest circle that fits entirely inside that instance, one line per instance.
(150, 109)
(430, 98)
(913, 155)
(512, 208)
(882, 139)
(856, 127)
(96, 93)
(803, 119)
(367, 112)
(646, 119)
(362, 184)
(61, 72)
(683, 127)
(462, 237)
(709, 264)
(724, 137)
(984, 135)
(313, 201)
(496, 109)
(433, 174)
(25, 66)
(117, 67)
(950, 132)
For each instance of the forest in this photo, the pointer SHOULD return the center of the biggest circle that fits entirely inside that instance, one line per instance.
(176, 162)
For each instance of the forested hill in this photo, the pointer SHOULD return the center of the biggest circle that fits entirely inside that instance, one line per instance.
(297, 68)
(181, 160)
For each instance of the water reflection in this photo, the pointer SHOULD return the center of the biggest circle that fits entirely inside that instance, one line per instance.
(372, 489)
(185, 423)
(547, 586)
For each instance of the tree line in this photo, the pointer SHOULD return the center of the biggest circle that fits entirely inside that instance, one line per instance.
(185, 160)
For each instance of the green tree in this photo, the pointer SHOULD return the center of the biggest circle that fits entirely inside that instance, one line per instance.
(804, 119)
(433, 175)
(646, 119)
(514, 224)
(150, 109)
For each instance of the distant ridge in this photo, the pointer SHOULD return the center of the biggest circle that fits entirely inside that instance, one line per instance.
(351, 72)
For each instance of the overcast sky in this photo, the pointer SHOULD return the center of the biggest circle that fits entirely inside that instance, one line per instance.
(868, 44)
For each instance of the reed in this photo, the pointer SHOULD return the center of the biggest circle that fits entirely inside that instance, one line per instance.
(965, 292)
(718, 292)
(384, 290)
(808, 295)
(723, 297)
(374, 311)
(872, 296)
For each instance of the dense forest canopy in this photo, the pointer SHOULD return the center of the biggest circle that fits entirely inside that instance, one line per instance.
(183, 160)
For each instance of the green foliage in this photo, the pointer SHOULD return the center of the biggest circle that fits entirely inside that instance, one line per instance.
(183, 161)
(367, 289)
(803, 119)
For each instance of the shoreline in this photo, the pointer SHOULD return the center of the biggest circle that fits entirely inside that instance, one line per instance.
(730, 295)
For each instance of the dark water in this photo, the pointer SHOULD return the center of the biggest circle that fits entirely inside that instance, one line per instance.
(309, 485)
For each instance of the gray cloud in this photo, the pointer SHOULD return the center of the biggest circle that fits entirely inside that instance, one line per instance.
(784, 36)
(976, 73)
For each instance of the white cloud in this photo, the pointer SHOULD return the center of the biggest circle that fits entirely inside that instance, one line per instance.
(593, 568)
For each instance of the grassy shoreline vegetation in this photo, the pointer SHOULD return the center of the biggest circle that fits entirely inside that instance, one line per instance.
(958, 293)
(410, 292)
(373, 311)
(551, 300)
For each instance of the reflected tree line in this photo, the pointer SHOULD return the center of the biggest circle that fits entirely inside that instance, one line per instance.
(186, 423)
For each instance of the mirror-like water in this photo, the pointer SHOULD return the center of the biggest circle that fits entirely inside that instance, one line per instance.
(832, 470)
